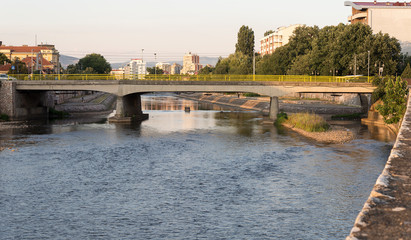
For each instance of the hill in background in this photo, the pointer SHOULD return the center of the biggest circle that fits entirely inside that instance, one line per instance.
(67, 60)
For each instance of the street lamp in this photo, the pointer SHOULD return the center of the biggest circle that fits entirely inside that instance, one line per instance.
(142, 55)
(368, 66)
(155, 66)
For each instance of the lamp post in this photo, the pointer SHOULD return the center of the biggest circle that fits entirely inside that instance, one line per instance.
(142, 55)
(253, 65)
(155, 66)
(368, 79)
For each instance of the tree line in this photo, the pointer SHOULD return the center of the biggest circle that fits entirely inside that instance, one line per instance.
(332, 50)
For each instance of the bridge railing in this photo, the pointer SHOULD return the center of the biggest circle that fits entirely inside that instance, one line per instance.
(208, 77)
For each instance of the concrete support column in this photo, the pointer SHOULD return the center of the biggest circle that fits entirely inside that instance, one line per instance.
(274, 108)
(128, 108)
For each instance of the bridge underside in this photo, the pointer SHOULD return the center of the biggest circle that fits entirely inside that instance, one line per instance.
(129, 101)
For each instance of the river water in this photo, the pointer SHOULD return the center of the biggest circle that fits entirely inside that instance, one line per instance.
(211, 173)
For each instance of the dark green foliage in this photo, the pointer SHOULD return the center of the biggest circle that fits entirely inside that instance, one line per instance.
(407, 72)
(251, 95)
(394, 100)
(268, 33)
(155, 70)
(55, 114)
(19, 67)
(379, 92)
(4, 117)
(237, 63)
(332, 50)
(206, 70)
(3, 59)
(245, 41)
(91, 64)
(281, 118)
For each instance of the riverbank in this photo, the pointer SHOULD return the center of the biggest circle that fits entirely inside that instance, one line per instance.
(387, 212)
(288, 105)
(336, 134)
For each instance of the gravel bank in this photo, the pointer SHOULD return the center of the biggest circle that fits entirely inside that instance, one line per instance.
(336, 134)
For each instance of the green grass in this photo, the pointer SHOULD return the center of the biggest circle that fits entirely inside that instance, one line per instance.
(308, 122)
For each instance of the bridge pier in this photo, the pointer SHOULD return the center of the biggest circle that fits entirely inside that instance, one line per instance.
(274, 108)
(128, 108)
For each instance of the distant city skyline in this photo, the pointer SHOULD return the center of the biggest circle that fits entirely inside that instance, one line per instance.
(119, 30)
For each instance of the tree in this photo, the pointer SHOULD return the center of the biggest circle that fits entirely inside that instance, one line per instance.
(19, 67)
(406, 74)
(4, 59)
(206, 70)
(96, 62)
(222, 66)
(155, 70)
(245, 41)
(394, 100)
(268, 33)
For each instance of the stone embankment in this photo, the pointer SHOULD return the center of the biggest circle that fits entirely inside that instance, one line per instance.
(97, 102)
(387, 212)
(289, 105)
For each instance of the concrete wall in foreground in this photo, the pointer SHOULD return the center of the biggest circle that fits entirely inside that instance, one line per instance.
(21, 104)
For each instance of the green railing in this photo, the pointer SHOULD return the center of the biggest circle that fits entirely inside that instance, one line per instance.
(214, 77)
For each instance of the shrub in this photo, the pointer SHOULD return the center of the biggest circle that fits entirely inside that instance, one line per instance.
(394, 100)
(251, 95)
(281, 118)
(308, 122)
(4, 117)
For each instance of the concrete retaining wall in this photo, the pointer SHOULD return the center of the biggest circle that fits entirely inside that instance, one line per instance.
(387, 212)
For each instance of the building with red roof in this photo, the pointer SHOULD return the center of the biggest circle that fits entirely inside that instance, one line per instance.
(47, 55)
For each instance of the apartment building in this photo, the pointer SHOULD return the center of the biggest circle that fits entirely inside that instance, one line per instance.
(278, 38)
(166, 67)
(45, 53)
(191, 64)
(176, 68)
(387, 17)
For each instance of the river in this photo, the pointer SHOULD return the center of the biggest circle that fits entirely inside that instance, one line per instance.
(211, 173)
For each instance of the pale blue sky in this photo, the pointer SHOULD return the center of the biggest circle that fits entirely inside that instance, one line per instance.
(119, 29)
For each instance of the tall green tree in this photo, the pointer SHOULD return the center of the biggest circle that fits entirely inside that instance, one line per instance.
(406, 74)
(245, 41)
(155, 70)
(394, 100)
(4, 59)
(96, 62)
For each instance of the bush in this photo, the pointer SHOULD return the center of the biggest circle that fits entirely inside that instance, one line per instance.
(53, 113)
(354, 116)
(281, 118)
(251, 95)
(308, 122)
(4, 117)
(394, 100)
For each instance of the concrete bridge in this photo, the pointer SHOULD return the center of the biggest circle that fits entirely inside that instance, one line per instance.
(22, 98)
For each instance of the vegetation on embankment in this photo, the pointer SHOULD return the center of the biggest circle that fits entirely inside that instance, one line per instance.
(4, 117)
(55, 114)
(305, 121)
(315, 127)
(393, 94)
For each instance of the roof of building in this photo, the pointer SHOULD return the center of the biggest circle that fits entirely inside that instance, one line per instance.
(28, 60)
(375, 4)
(25, 49)
(4, 68)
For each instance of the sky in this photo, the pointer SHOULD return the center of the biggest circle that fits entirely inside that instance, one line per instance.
(120, 29)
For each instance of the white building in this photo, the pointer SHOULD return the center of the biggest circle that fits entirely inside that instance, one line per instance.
(166, 67)
(191, 64)
(278, 38)
(137, 67)
(393, 18)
